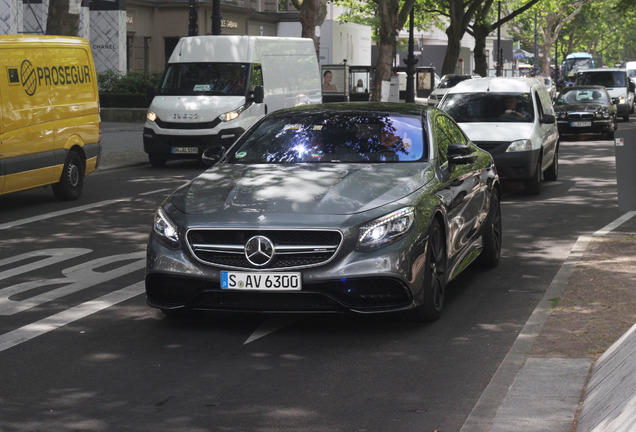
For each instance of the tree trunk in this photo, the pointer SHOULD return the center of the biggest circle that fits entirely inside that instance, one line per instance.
(452, 51)
(388, 13)
(310, 17)
(62, 19)
(481, 60)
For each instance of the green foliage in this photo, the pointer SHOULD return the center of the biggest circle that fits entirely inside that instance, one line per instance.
(117, 90)
(132, 82)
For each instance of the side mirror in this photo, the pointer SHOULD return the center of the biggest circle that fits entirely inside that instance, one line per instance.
(212, 155)
(259, 94)
(460, 155)
(548, 119)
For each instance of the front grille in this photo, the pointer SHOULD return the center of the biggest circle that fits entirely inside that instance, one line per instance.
(581, 115)
(492, 147)
(187, 126)
(292, 248)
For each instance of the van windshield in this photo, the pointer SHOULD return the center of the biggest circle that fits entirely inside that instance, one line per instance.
(209, 79)
(604, 78)
(489, 107)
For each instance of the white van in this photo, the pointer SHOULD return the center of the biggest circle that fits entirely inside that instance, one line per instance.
(513, 119)
(216, 87)
(631, 70)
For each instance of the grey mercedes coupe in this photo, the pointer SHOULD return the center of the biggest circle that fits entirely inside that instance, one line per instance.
(363, 208)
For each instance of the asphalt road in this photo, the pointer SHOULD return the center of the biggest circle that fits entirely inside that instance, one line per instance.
(80, 350)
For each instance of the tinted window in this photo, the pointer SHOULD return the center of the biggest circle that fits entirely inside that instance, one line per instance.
(574, 96)
(603, 78)
(333, 138)
(489, 107)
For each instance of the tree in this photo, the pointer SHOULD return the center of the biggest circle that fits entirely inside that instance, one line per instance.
(483, 25)
(551, 17)
(311, 14)
(63, 18)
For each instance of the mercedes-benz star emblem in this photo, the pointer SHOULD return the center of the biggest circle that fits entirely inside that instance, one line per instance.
(259, 250)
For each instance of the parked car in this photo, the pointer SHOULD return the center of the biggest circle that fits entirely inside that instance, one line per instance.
(447, 82)
(330, 208)
(618, 85)
(586, 110)
(514, 120)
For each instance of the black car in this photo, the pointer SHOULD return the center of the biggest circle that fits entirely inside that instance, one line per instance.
(329, 208)
(585, 110)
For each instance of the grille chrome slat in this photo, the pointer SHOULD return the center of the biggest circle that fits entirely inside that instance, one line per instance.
(293, 248)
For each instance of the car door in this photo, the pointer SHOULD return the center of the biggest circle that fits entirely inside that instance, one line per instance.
(462, 191)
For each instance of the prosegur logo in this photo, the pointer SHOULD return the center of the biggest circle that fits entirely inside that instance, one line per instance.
(32, 77)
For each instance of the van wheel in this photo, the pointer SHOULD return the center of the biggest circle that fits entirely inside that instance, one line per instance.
(71, 182)
(533, 187)
(156, 160)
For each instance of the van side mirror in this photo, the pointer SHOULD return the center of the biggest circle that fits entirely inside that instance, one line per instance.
(212, 155)
(548, 119)
(259, 94)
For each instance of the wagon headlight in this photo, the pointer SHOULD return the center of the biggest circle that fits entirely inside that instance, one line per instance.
(385, 230)
(165, 228)
(231, 115)
(519, 146)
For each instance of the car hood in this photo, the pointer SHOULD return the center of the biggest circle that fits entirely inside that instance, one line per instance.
(497, 131)
(579, 107)
(333, 189)
(188, 109)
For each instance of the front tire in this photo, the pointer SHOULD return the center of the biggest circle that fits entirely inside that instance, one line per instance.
(492, 234)
(71, 182)
(533, 187)
(552, 173)
(434, 286)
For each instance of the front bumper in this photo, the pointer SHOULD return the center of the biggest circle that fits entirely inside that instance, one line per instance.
(388, 279)
(598, 127)
(512, 165)
(183, 146)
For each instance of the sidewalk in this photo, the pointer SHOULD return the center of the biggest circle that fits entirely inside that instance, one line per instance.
(553, 378)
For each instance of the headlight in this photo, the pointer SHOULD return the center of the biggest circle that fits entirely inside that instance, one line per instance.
(386, 229)
(562, 115)
(519, 146)
(165, 228)
(621, 100)
(151, 116)
(229, 116)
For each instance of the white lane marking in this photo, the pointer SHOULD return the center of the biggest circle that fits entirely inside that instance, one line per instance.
(269, 326)
(49, 257)
(75, 279)
(30, 331)
(60, 213)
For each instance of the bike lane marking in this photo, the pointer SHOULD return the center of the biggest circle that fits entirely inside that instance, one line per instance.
(53, 322)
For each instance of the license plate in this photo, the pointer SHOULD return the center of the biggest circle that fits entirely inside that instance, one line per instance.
(185, 150)
(581, 124)
(261, 281)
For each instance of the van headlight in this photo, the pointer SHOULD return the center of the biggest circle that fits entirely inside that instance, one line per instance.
(386, 229)
(229, 116)
(151, 116)
(520, 145)
(165, 228)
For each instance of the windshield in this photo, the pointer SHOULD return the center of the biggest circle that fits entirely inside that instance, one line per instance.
(603, 78)
(489, 107)
(210, 79)
(574, 96)
(451, 81)
(343, 138)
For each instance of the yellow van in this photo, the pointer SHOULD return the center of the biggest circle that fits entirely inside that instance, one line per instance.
(49, 114)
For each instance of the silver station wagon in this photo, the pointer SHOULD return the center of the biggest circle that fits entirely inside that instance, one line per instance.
(329, 208)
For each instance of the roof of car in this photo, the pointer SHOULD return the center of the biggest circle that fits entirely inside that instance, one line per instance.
(604, 70)
(383, 108)
(495, 84)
